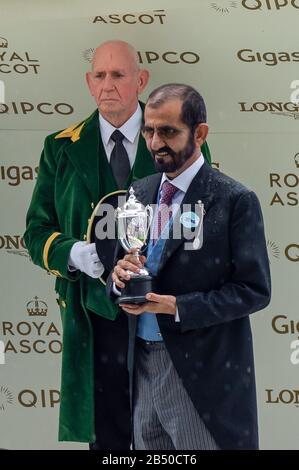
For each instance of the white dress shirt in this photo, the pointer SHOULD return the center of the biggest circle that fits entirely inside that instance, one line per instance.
(130, 129)
(182, 182)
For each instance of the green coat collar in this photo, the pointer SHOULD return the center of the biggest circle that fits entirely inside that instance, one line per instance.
(83, 150)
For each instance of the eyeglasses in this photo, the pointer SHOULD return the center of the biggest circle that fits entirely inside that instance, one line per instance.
(164, 132)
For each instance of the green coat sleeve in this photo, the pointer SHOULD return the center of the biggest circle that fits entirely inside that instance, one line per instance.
(47, 246)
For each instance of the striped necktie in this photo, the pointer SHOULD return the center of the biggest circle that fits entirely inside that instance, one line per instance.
(168, 190)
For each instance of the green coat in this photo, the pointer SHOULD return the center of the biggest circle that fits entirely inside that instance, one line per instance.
(74, 174)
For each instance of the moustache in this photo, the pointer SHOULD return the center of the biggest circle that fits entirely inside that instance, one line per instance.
(162, 150)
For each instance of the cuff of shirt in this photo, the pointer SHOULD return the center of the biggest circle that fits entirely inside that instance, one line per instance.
(177, 318)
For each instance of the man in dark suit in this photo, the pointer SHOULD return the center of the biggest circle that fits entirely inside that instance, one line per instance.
(190, 343)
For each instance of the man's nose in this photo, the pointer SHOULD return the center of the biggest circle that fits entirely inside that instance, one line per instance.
(156, 141)
(108, 83)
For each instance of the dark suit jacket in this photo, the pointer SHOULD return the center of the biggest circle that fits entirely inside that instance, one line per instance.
(216, 287)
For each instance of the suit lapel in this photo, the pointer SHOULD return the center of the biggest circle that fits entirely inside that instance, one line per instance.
(84, 154)
(147, 189)
(199, 190)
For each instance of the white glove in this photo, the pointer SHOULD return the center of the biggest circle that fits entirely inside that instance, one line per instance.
(83, 256)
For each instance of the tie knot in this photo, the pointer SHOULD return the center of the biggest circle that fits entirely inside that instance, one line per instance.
(117, 136)
(167, 192)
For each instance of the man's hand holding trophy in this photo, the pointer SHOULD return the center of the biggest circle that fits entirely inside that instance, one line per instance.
(130, 274)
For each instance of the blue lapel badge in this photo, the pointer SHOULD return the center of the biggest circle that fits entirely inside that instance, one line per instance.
(189, 219)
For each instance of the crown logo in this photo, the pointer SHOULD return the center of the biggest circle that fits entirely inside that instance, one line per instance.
(37, 308)
(3, 42)
(226, 9)
(88, 54)
(296, 158)
(273, 248)
(6, 397)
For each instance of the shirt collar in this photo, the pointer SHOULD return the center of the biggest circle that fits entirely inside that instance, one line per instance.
(129, 129)
(183, 181)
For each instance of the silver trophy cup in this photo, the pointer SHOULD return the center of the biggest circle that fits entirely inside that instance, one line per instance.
(133, 224)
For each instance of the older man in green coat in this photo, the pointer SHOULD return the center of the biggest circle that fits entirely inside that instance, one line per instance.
(75, 172)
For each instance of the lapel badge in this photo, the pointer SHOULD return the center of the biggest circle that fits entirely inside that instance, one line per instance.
(194, 220)
(189, 219)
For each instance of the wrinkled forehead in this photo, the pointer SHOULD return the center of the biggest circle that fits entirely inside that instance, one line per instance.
(115, 58)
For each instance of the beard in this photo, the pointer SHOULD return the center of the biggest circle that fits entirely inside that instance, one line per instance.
(177, 158)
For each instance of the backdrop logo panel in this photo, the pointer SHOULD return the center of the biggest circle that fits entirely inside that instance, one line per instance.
(282, 397)
(278, 5)
(169, 57)
(44, 398)
(18, 62)
(37, 308)
(3, 43)
(28, 398)
(6, 398)
(283, 326)
(13, 244)
(280, 108)
(223, 7)
(267, 58)
(145, 18)
(284, 186)
(149, 57)
(290, 251)
(44, 108)
(255, 5)
(273, 250)
(34, 335)
(14, 175)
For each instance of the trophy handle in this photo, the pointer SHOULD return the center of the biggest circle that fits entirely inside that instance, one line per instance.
(124, 243)
(120, 231)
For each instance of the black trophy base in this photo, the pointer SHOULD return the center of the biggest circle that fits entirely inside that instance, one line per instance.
(135, 290)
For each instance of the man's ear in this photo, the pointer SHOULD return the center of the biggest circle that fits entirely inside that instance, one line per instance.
(201, 133)
(88, 77)
(143, 80)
